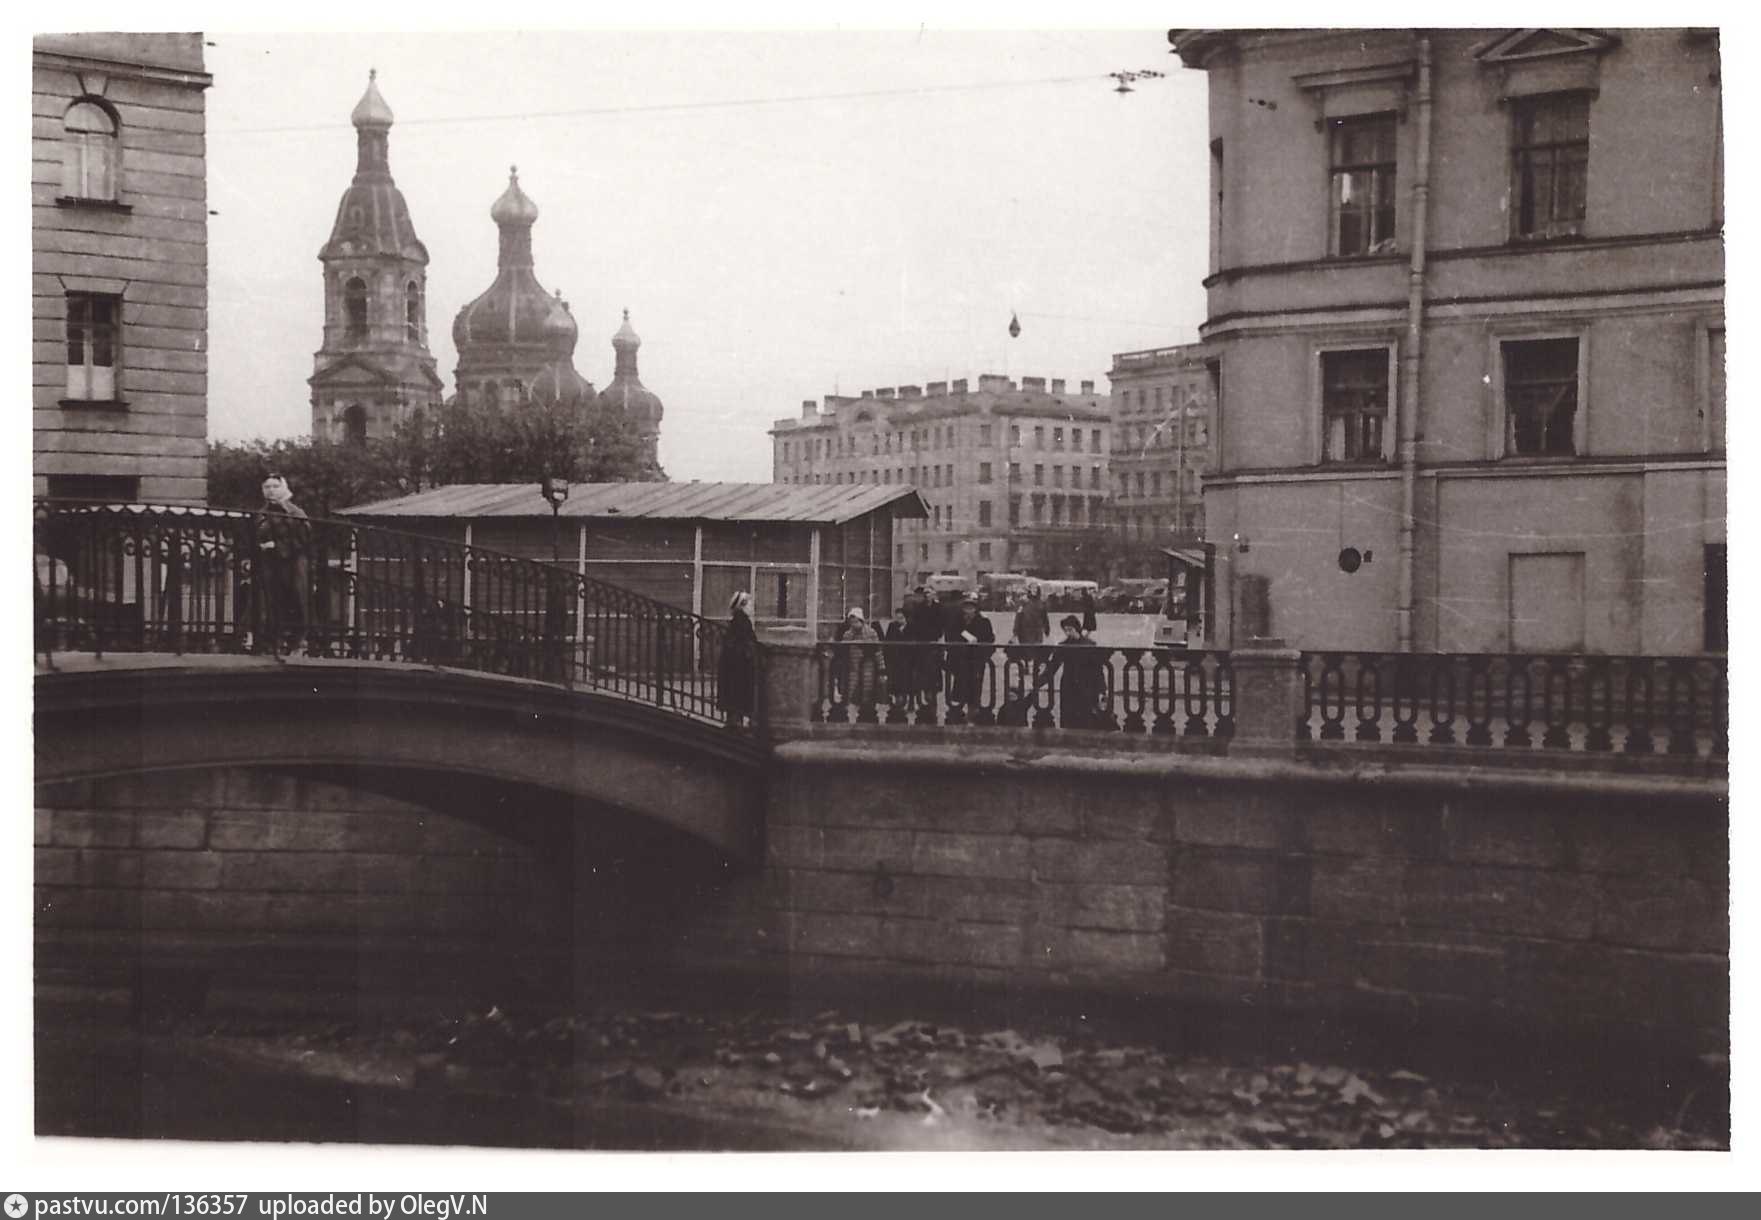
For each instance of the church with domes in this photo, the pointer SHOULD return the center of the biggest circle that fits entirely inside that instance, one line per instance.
(515, 341)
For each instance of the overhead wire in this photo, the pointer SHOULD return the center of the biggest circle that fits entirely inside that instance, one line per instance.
(681, 107)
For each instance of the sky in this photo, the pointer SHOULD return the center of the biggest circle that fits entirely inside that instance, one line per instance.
(785, 214)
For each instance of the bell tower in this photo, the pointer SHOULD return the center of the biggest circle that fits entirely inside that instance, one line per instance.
(374, 370)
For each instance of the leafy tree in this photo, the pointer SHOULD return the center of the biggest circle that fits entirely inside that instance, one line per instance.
(325, 477)
(464, 444)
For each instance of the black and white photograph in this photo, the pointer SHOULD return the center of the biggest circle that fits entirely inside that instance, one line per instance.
(883, 588)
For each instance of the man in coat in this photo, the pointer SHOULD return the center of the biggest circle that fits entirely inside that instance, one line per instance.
(966, 663)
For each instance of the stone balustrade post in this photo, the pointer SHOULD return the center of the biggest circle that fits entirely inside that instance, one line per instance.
(1266, 700)
(788, 680)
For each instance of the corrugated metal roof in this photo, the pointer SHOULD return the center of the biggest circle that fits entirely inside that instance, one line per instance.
(830, 503)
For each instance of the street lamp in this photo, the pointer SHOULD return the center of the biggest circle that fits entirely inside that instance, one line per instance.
(555, 489)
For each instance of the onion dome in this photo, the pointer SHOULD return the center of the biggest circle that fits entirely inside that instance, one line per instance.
(626, 391)
(371, 110)
(514, 207)
(560, 326)
(559, 384)
(514, 312)
(372, 218)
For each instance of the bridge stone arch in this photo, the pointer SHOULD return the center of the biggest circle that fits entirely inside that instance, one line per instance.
(136, 714)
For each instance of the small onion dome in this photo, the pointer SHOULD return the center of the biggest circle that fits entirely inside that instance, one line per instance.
(371, 110)
(514, 207)
(626, 339)
(626, 392)
(560, 326)
(559, 384)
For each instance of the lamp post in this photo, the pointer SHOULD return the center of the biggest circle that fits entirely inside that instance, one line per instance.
(556, 490)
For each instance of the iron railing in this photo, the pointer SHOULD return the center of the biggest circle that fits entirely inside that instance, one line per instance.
(139, 578)
(1158, 691)
(1566, 702)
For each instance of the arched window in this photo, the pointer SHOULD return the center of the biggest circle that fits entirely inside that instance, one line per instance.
(413, 312)
(89, 152)
(354, 425)
(354, 309)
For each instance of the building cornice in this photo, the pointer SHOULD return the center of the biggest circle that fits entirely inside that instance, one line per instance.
(1494, 468)
(119, 67)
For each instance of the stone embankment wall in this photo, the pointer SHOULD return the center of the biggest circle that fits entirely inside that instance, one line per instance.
(242, 874)
(1503, 899)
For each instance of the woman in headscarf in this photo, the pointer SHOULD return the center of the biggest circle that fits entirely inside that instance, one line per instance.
(282, 538)
(850, 661)
(734, 674)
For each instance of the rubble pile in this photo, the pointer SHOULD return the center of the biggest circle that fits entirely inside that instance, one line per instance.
(1022, 1085)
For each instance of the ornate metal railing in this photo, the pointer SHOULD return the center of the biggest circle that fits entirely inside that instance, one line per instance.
(1157, 691)
(137, 578)
(1589, 704)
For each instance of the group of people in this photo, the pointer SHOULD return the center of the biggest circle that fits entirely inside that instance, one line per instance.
(900, 673)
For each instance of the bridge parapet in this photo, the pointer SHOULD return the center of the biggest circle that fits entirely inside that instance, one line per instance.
(156, 578)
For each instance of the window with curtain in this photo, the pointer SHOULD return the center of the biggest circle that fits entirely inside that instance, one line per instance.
(91, 153)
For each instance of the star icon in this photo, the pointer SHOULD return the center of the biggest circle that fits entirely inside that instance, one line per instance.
(17, 1206)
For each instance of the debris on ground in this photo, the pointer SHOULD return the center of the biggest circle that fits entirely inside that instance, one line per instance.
(1026, 1087)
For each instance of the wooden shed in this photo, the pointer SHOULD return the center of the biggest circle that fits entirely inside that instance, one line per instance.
(806, 553)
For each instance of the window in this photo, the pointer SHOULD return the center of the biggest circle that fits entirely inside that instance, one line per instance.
(1714, 407)
(1037, 501)
(984, 472)
(1057, 476)
(1015, 472)
(948, 551)
(1039, 438)
(1139, 481)
(1155, 483)
(1057, 438)
(984, 512)
(1541, 396)
(354, 309)
(923, 549)
(1094, 477)
(413, 312)
(1039, 476)
(1057, 510)
(354, 426)
(1354, 404)
(984, 436)
(1015, 434)
(1360, 203)
(94, 334)
(90, 152)
(1551, 156)
(1014, 510)
(1094, 440)
(984, 551)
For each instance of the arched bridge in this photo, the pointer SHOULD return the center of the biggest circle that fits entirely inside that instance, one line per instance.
(174, 639)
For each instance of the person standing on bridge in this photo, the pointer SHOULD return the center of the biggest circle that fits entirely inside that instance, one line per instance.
(282, 538)
(739, 651)
(1032, 624)
(1083, 701)
(970, 632)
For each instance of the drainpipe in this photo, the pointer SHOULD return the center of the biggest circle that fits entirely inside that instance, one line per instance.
(1412, 353)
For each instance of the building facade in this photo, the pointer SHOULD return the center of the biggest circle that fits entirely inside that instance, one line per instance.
(119, 267)
(1163, 406)
(374, 370)
(1014, 476)
(1467, 304)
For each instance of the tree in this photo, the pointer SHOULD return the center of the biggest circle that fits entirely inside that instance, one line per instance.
(325, 477)
(465, 444)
